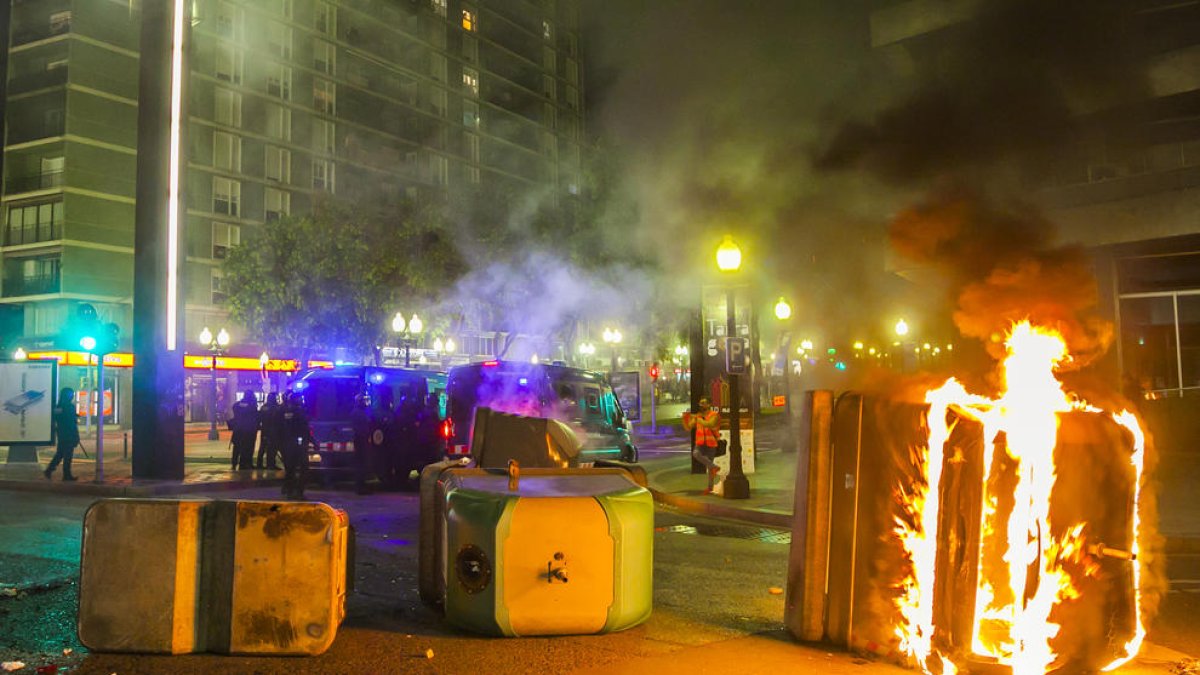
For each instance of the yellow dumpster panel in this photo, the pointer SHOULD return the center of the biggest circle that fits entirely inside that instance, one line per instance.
(558, 566)
(139, 576)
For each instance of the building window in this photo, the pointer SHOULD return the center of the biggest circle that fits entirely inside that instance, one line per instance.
(34, 223)
(324, 96)
(548, 86)
(227, 108)
(227, 196)
(279, 164)
(31, 276)
(60, 22)
(473, 155)
(573, 97)
(470, 80)
(229, 64)
(549, 59)
(325, 18)
(279, 82)
(470, 114)
(437, 67)
(549, 144)
(278, 203)
(572, 71)
(324, 57)
(440, 168)
(547, 30)
(227, 151)
(470, 49)
(217, 289)
(285, 8)
(549, 115)
(279, 122)
(323, 136)
(227, 20)
(224, 237)
(439, 7)
(279, 40)
(322, 175)
(470, 21)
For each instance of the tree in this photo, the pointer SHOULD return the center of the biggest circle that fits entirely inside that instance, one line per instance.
(333, 278)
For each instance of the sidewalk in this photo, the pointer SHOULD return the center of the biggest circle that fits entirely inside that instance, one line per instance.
(206, 466)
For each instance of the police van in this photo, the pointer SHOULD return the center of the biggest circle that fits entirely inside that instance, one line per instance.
(329, 399)
(582, 399)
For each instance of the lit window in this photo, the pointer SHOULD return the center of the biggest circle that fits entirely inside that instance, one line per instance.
(227, 196)
(224, 237)
(279, 164)
(324, 96)
(278, 203)
(547, 30)
(227, 151)
(279, 82)
(439, 7)
(470, 114)
(279, 122)
(470, 80)
(469, 20)
(227, 108)
(324, 57)
(229, 64)
(323, 175)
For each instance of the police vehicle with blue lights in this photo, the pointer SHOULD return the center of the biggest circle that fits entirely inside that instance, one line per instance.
(582, 399)
(329, 399)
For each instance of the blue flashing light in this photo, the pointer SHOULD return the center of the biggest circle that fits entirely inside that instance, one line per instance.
(523, 381)
(299, 385)
(377, 378)
(342, 363)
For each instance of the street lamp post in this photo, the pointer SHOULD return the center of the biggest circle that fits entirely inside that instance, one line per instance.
(737, 486)
(407, 331)
(444, 348)
(217, 346)
(586, 349)
(783, 312)
(612, 337)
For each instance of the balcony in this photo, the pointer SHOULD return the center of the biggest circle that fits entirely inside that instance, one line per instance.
(15, 286)
(36, 33)
(38, 181)
(20, 84)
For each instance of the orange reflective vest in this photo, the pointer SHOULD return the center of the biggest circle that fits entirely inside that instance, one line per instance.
(706, 428)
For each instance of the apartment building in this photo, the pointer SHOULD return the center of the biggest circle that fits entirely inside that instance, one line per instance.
(289, 101)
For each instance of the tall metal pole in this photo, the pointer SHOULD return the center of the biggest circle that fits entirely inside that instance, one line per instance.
(212, 373)
(158, 266)
(100, 420)
(736, 485)
(789, 439)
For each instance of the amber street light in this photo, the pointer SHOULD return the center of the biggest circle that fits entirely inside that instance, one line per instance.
(729, 261)
(216, 345)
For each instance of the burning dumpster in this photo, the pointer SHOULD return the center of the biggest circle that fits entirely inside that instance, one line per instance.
(975, 532)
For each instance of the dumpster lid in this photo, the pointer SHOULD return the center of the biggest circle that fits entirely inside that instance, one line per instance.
(577, 485)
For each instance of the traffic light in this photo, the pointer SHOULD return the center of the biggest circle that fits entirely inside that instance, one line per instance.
(654, 371)
(92, 335)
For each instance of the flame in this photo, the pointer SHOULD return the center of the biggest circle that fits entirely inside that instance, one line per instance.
(1013, 602)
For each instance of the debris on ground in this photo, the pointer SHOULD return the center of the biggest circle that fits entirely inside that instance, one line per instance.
(429, 653)
(1187, 667)
(10, 666)
(775, 590)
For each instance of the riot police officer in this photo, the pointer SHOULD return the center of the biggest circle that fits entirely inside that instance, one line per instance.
(296, 440)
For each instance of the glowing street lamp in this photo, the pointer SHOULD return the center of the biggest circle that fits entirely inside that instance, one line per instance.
(901, 328)
(585, 350)
(216, 345)
(612, 337)
(729, 261)
(407, 332)
(783, 311)
(20, 355)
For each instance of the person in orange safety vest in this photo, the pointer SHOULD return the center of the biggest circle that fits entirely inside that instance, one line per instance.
(704, 426)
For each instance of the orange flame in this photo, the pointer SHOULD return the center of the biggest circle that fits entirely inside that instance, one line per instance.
(1011, 623)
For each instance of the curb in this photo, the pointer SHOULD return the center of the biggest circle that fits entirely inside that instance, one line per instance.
(151, 490)
(699, 508)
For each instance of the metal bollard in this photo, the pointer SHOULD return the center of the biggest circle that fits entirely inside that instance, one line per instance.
(125, 449)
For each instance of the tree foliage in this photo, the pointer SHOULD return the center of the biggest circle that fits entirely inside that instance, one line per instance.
(335, 277)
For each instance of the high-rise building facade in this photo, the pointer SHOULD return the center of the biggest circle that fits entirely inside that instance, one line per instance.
(289, 101)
